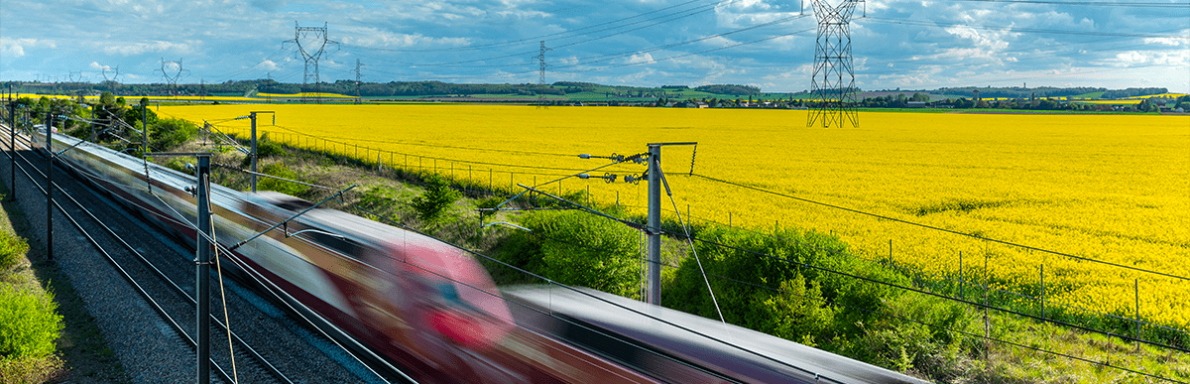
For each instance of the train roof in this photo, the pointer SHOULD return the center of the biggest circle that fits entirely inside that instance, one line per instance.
(734, 351)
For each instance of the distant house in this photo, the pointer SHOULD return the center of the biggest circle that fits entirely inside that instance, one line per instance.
(916, 104)
(697, 104)
(669, 104)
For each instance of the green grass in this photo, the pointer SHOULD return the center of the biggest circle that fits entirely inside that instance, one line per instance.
(1089, 95)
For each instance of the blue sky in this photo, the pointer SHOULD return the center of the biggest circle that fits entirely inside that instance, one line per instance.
(906, 44)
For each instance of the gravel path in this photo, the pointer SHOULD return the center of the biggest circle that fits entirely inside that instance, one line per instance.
(147, 345)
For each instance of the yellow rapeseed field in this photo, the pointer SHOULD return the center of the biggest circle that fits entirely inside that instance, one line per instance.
(303, 94)
(1106, 187)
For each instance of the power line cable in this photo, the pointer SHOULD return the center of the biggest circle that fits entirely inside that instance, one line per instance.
(606, 57)
(935, 24)
(1085, 3)
(574, 32)
(587, 40)
(927, 226)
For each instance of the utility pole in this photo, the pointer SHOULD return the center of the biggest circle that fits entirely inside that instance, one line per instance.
(144, 142)
(357, 77)
(311, 57)
(49, 185)
(253, 155)
(655, 180)
(12, 145)
(203, 263)
(654, 227)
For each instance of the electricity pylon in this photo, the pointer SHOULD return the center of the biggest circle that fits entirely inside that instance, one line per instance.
(168, 67)
(541, 61)
(357, 78)
(833, 82)
(311, 57)
(114, 80)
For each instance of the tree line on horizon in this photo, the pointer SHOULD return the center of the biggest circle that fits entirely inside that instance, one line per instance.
(560, 88)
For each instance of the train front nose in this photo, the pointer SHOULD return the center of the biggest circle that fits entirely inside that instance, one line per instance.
(463, 304)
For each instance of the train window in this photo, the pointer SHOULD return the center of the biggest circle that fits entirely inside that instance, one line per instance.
(292, 204)
(578, 332)
(652, 362)
(345, 246)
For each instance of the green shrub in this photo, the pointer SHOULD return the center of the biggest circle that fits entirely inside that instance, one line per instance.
(29, 323)
(578, 248)
(266, 147)
(170, 133)
(12, 248)
(280, 170)
(436, 199)
(839, 313)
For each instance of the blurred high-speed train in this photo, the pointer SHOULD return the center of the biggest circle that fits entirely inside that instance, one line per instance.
(432, 310)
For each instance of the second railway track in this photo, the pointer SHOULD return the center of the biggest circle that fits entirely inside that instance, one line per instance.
(270, 346)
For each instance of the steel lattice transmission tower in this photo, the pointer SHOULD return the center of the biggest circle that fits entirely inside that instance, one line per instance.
(317, 43)
(541, 60)
(113, 81)
(833, 84)
(357, 79)
(172, 74)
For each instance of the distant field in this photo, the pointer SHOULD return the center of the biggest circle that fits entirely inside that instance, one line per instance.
(1106, 187)
(1110, 102)
(1164, 95)
(303, 94)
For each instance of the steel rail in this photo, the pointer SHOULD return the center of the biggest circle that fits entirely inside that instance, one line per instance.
(141, 290)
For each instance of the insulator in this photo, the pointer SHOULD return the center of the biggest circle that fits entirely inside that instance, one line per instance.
(584, 156)
(584, 176)
(609, 177)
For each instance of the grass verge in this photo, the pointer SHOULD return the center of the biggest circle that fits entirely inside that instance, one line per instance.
(79, 352)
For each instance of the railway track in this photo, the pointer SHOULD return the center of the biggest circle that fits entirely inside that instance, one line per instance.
(269, 346)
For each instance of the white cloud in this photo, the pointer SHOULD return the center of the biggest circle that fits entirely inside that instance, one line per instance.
(141, 48)
(641, 58)
(1171, 41)
(268, 65)
(96, 65)
(10, 47)
(375, 38)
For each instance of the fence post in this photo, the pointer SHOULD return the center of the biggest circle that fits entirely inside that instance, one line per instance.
(987, 325)
(1043, 295)
(1136, 326)
(962, 283)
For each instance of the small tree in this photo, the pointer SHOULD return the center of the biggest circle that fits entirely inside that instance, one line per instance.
(436, 199)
